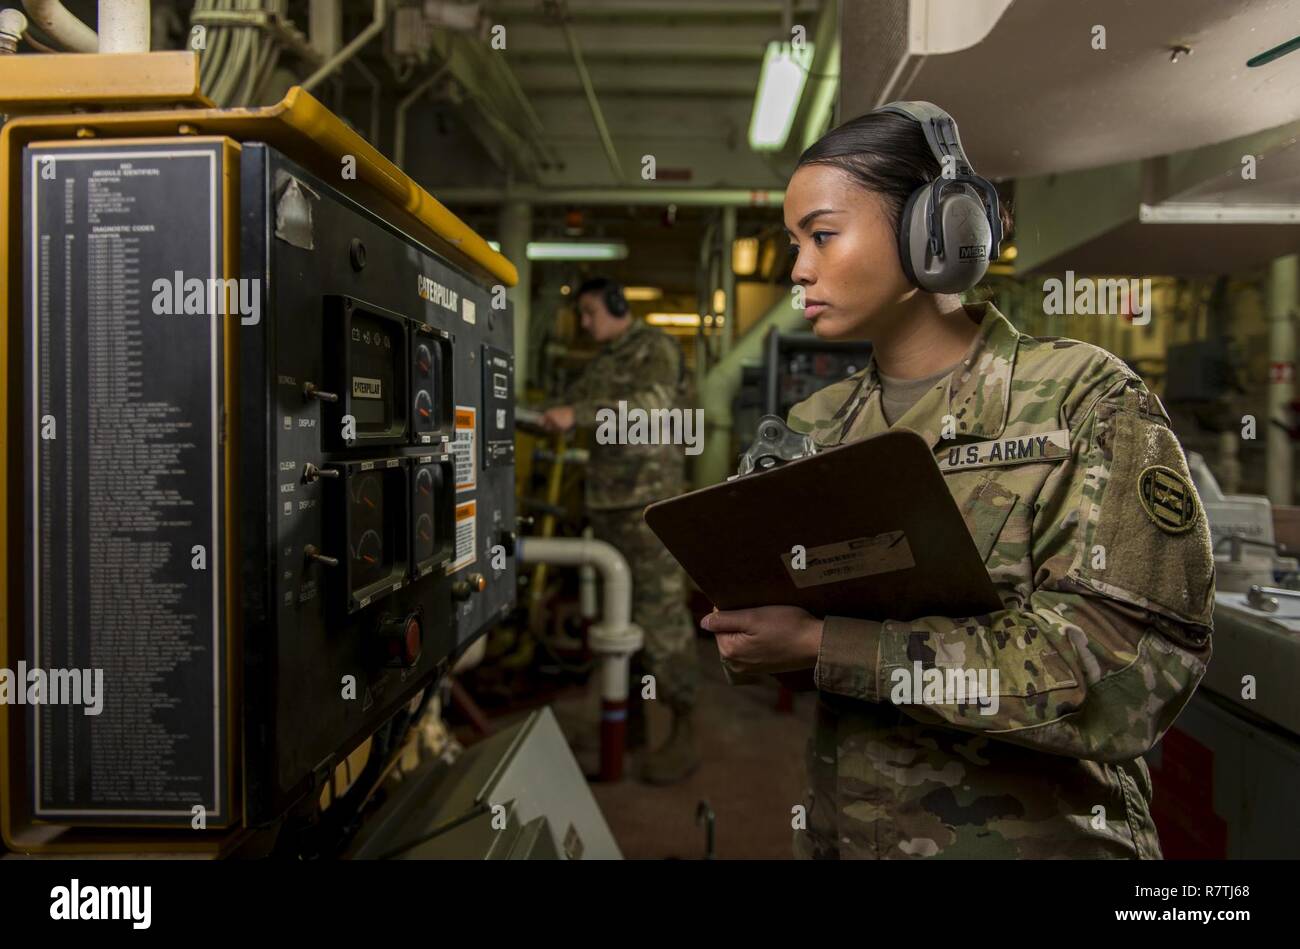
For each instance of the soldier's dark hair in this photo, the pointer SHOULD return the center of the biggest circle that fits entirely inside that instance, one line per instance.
(610, 291)
(594, 285)
(886, 154)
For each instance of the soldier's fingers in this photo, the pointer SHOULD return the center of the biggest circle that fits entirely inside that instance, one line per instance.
(728, 621)
(731, 646)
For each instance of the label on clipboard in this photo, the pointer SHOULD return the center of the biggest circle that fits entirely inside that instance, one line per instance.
(850, 559)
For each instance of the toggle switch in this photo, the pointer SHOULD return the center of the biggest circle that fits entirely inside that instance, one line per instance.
(313, 553)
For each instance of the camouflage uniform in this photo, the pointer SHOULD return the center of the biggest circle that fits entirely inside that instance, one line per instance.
(1104, 569)
(644, 369)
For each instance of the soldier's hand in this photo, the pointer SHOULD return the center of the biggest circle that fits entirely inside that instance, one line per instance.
(766, 639)
(559, 419)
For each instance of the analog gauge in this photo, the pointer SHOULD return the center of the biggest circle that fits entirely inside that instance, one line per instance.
(424, 484)
(366, 494)
(423, 360)
(367, 558)
(423, 410)
(366, 539)
(423, 538)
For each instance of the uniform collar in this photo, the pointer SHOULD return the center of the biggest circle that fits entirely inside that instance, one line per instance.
(976, 394)
(627, 336)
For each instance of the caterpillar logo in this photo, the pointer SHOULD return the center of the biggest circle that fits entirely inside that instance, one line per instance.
(363, 388)
(974, 252)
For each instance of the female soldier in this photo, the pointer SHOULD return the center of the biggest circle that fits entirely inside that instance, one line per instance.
(1077, 496)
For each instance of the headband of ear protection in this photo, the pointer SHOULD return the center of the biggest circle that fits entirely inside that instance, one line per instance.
(950, 229)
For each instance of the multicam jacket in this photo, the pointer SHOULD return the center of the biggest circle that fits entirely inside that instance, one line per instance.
(1078, 498)
(644, 370)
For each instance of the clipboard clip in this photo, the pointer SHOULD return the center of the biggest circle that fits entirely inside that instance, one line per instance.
(775, 444)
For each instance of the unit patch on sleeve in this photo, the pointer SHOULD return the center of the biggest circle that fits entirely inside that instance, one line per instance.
(1167, 498)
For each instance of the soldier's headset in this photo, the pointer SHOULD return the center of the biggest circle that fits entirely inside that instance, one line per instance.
(950, 229)
(615, 302)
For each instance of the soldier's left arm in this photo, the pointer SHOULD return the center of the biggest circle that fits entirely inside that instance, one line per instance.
(1115, 635)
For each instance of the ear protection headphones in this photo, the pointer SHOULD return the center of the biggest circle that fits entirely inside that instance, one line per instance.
(950, 229)
(609, 291)
(615, 302)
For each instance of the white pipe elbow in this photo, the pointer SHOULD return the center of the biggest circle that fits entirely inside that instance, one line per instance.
(65, 29)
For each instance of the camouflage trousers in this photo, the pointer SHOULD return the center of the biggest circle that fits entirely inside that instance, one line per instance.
(882, 786)
(658, 605)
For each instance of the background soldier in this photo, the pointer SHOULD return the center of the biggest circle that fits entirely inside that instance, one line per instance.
(642, 367)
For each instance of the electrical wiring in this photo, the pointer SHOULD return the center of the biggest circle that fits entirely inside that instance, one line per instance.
(240, 58)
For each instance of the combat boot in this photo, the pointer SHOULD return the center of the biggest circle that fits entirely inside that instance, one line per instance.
(677, 759)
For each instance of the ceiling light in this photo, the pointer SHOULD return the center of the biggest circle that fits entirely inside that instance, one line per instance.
(577, 250)
(744, 256)
(673, 319)
(780, 86)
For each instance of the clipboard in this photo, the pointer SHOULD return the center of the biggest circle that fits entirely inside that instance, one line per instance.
(882, 537)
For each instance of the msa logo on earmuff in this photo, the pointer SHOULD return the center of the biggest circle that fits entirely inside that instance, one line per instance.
(958, 209)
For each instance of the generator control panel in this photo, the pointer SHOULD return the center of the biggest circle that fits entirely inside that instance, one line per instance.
(269, 473)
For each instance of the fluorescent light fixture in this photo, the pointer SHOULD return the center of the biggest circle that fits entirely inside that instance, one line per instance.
(673, 319)
(1174, 212)
(577, 250)
(642, 294)
(780, 86)
(744, 256)
(719, 301)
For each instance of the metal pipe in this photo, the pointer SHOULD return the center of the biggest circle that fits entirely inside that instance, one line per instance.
(1283, 308)
(628, 9)
(515, 227)
(593, 103)
(124, 26)
(332, 64)
(549, 154)
(325, 26)
(652, 196)
(376, 89)
(728, 280)
(615, 638)
(64, 28)
(587, 584)
(399, 114)
(12, 27)
(703, 348)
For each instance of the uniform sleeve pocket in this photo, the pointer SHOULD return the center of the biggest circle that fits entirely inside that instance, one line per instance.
(1147, 542)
